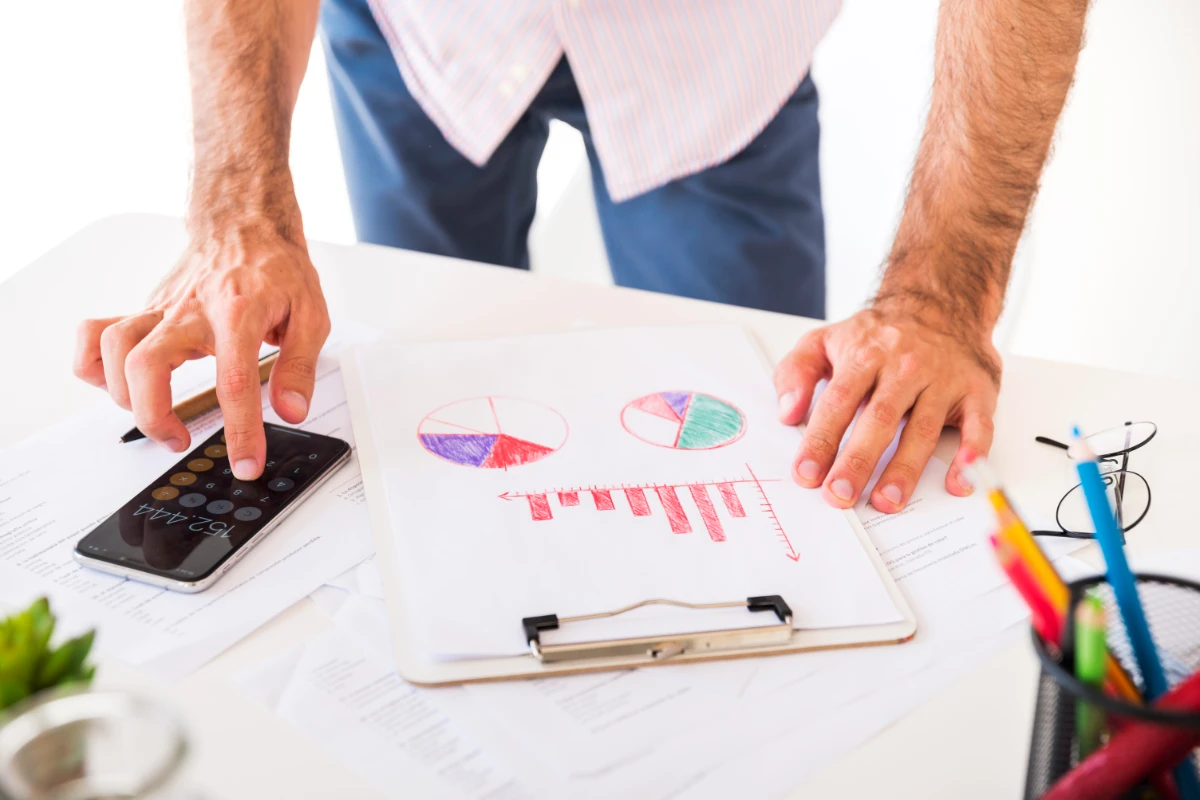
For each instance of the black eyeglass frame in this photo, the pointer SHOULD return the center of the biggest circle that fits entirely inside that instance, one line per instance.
(1122, 470)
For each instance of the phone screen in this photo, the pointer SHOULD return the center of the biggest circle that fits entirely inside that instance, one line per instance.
(194, 517)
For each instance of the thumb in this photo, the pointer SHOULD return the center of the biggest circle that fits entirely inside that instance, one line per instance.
(295, 371)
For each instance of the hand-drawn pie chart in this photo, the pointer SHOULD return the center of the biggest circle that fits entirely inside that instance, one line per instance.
(493, 432)
(684, 420)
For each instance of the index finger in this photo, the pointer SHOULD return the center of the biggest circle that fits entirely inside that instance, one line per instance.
(240, 395)
(797, 375)
(148, 374)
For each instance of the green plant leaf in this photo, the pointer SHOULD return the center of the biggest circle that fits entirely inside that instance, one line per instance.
(42, 623)
(64, 661)
(12, 692)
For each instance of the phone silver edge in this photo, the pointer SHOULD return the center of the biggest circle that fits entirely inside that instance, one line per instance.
(192, 587)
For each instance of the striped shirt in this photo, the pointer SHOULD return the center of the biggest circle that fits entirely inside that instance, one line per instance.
(670, 87)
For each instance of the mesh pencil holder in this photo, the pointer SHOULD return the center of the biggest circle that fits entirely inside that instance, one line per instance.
(1173, 610)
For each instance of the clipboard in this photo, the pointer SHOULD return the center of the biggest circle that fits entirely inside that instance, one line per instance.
(754, 640)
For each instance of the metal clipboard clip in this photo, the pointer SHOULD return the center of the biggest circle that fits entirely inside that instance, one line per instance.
(660, 648)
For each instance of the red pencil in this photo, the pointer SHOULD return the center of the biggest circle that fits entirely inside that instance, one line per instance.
(1046, 621)
(1133, 752)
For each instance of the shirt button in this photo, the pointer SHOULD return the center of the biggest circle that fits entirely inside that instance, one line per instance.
(519, 71)
(506, 88)
(574, 3)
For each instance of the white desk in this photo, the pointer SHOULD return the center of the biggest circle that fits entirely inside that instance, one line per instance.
(968, 742)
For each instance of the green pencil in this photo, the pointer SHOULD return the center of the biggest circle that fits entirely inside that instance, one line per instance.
(1091, 650)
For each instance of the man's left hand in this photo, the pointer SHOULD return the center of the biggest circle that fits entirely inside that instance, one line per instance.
(899, 363)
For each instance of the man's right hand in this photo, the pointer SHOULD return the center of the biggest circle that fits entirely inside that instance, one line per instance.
(228, 294)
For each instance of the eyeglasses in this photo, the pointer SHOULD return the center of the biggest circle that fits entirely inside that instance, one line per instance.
(1128, 492)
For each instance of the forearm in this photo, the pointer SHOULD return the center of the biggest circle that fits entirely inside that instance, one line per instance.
(1002, 72)
(246, 61)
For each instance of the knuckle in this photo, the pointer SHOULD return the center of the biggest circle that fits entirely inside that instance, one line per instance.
(865, 356)
(985, 424)
(819, 444)
(926, 426)
(857, 462)
(83, 368)
(151, 423)
(110, 338)
(909, 366)
(240, 436)
(905, 469)
(884, 413)
(837, 396)
(236, 381)
(140, 359)
(299, 368)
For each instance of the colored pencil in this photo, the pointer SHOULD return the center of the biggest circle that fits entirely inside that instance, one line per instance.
(1124, 586)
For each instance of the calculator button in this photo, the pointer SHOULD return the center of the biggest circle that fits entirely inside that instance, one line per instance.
(193, 500)
(247, 514)
(215, 451)
(219, 507)
(281, 484)
(183, 479)
(165, 493)
(199, 465)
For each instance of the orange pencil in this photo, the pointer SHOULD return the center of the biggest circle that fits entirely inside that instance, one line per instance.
(1015, 533)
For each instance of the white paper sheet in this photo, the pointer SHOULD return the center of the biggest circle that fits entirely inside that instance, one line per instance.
(957, 599)
(348, 699)
(58, 485)
(611, 506)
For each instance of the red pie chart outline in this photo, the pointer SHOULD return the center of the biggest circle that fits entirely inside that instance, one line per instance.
(556, 412)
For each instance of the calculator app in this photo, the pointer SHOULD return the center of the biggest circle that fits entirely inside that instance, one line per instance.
(190, 520)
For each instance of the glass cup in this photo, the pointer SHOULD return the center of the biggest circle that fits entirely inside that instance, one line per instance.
(90, 745)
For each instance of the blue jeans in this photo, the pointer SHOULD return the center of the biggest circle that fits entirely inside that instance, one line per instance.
(749, 231)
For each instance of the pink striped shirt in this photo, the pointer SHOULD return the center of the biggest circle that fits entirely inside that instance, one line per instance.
(670, 86)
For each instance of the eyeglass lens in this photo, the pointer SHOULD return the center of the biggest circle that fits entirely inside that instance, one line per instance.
(1073, 514)
(1121, 439)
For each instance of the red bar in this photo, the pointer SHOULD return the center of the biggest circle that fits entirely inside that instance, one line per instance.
(603, 499)
(708, 512)
(568, 498)
(675, 514)
(732, 504)
(637, 502)
(539, 507)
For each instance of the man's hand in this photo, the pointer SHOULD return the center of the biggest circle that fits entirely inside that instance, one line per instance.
(898, 364)
(1001, 74)
(225, 298)
(246, 277)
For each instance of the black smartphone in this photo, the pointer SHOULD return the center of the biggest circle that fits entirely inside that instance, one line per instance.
(189, 527)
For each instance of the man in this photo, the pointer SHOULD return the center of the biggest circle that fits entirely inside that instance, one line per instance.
(701, 129)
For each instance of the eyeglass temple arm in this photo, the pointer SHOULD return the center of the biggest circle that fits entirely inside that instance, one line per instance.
(1051, 442)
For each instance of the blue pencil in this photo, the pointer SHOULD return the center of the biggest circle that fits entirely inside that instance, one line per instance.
(1124, 587)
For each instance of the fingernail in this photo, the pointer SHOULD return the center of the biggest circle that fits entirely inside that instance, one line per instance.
(809, 470)
(174, 445)
(842, 489)
(787, 404)
(246, 469)
(295, 401)
(963, 481)
(892, 493)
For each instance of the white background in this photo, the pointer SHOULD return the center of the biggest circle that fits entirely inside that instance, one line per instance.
(94, 121)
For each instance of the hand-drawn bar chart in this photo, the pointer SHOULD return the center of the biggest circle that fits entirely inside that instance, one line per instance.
(704, 494)
(493, 432)
(684, 420)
